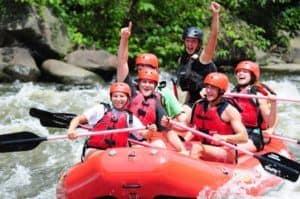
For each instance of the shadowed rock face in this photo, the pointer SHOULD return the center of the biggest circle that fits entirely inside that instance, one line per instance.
(92, 59)
(41, 32)
(17, 63)
(99, 61)
(28, 38)
(69, 74)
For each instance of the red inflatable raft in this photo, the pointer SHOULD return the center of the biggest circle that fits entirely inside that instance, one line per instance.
(157, 173)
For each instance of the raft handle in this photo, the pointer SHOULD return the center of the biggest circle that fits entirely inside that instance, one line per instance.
(131, 186)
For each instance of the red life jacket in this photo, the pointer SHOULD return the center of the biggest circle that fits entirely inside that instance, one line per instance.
(110, 121)
(209, 120)
(251, 115)
(145, 108)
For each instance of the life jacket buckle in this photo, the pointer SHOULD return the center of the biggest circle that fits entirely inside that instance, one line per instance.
(141, 112)
(114, 119)
(145, 103)
(110, 142)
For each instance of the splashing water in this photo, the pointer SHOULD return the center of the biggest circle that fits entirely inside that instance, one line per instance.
(34, 174)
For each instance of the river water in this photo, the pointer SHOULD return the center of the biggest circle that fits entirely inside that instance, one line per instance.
(34, 174)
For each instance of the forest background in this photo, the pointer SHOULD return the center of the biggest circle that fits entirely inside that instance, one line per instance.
(245, 25)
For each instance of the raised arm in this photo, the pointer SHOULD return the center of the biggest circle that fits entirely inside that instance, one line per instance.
(208, 52)
(122, 68)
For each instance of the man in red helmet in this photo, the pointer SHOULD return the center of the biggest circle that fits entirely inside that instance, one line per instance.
(144, 60)
(196, 62)
(166, 99)
(258, 115)
(145, 103)
(214, 115)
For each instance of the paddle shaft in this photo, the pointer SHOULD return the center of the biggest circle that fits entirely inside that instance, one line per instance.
(24, 141)
(267, 135)
(130, 140)
(89, 133)
(62, 120)
(194, 131)
(283, 138)
(259, 97)
(52, 117)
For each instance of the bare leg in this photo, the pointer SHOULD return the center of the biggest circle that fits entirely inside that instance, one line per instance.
(90, 152)
(196, 151)
(218, 154)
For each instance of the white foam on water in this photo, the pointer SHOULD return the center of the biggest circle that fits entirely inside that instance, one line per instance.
(48, 193)
(241, 181)
(19, 177)
(288, 111)
(50, 158)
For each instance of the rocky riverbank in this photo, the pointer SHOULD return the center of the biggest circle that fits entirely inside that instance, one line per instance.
(276, 61)
(34, 46)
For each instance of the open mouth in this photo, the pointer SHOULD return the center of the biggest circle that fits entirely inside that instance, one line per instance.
(241, 78)
(146, 89)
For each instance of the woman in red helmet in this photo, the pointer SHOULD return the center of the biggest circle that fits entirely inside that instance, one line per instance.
(258, 115)
(196, 62)
(216, 116)
(103, 117)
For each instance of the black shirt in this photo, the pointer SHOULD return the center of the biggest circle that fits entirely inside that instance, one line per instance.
(191, 75)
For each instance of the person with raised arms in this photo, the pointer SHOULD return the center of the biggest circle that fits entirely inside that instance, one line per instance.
(146, 64)
(104, 117)
(217, 117)
(196, 62)
(258, 115)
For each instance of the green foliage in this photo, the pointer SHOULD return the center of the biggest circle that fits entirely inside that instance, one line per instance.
(158, 25)
(237, 40)
(272, 16)
(290, 20)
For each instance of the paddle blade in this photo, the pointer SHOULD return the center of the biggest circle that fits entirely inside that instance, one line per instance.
(58, 120)
(280, 166)
(54, 123)
(21, 141)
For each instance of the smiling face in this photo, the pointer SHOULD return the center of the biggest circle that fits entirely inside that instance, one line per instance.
(146, 87)
(243, 77)
(119, 100)
(191, 45)
(212, 93)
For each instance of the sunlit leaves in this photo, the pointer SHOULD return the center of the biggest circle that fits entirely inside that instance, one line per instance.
(158, 24)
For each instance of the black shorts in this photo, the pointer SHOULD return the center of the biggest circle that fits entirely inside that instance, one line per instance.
(255, 135)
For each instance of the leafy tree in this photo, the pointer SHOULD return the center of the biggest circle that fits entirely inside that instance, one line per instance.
(273, 16)
(158, 25)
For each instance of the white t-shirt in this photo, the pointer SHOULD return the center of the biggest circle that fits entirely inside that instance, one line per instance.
(95, 113)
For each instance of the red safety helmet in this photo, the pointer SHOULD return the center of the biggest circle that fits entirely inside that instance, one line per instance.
(148, 74)
(249, 65)
(120, 87)
(147, 59)
(218, 80)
